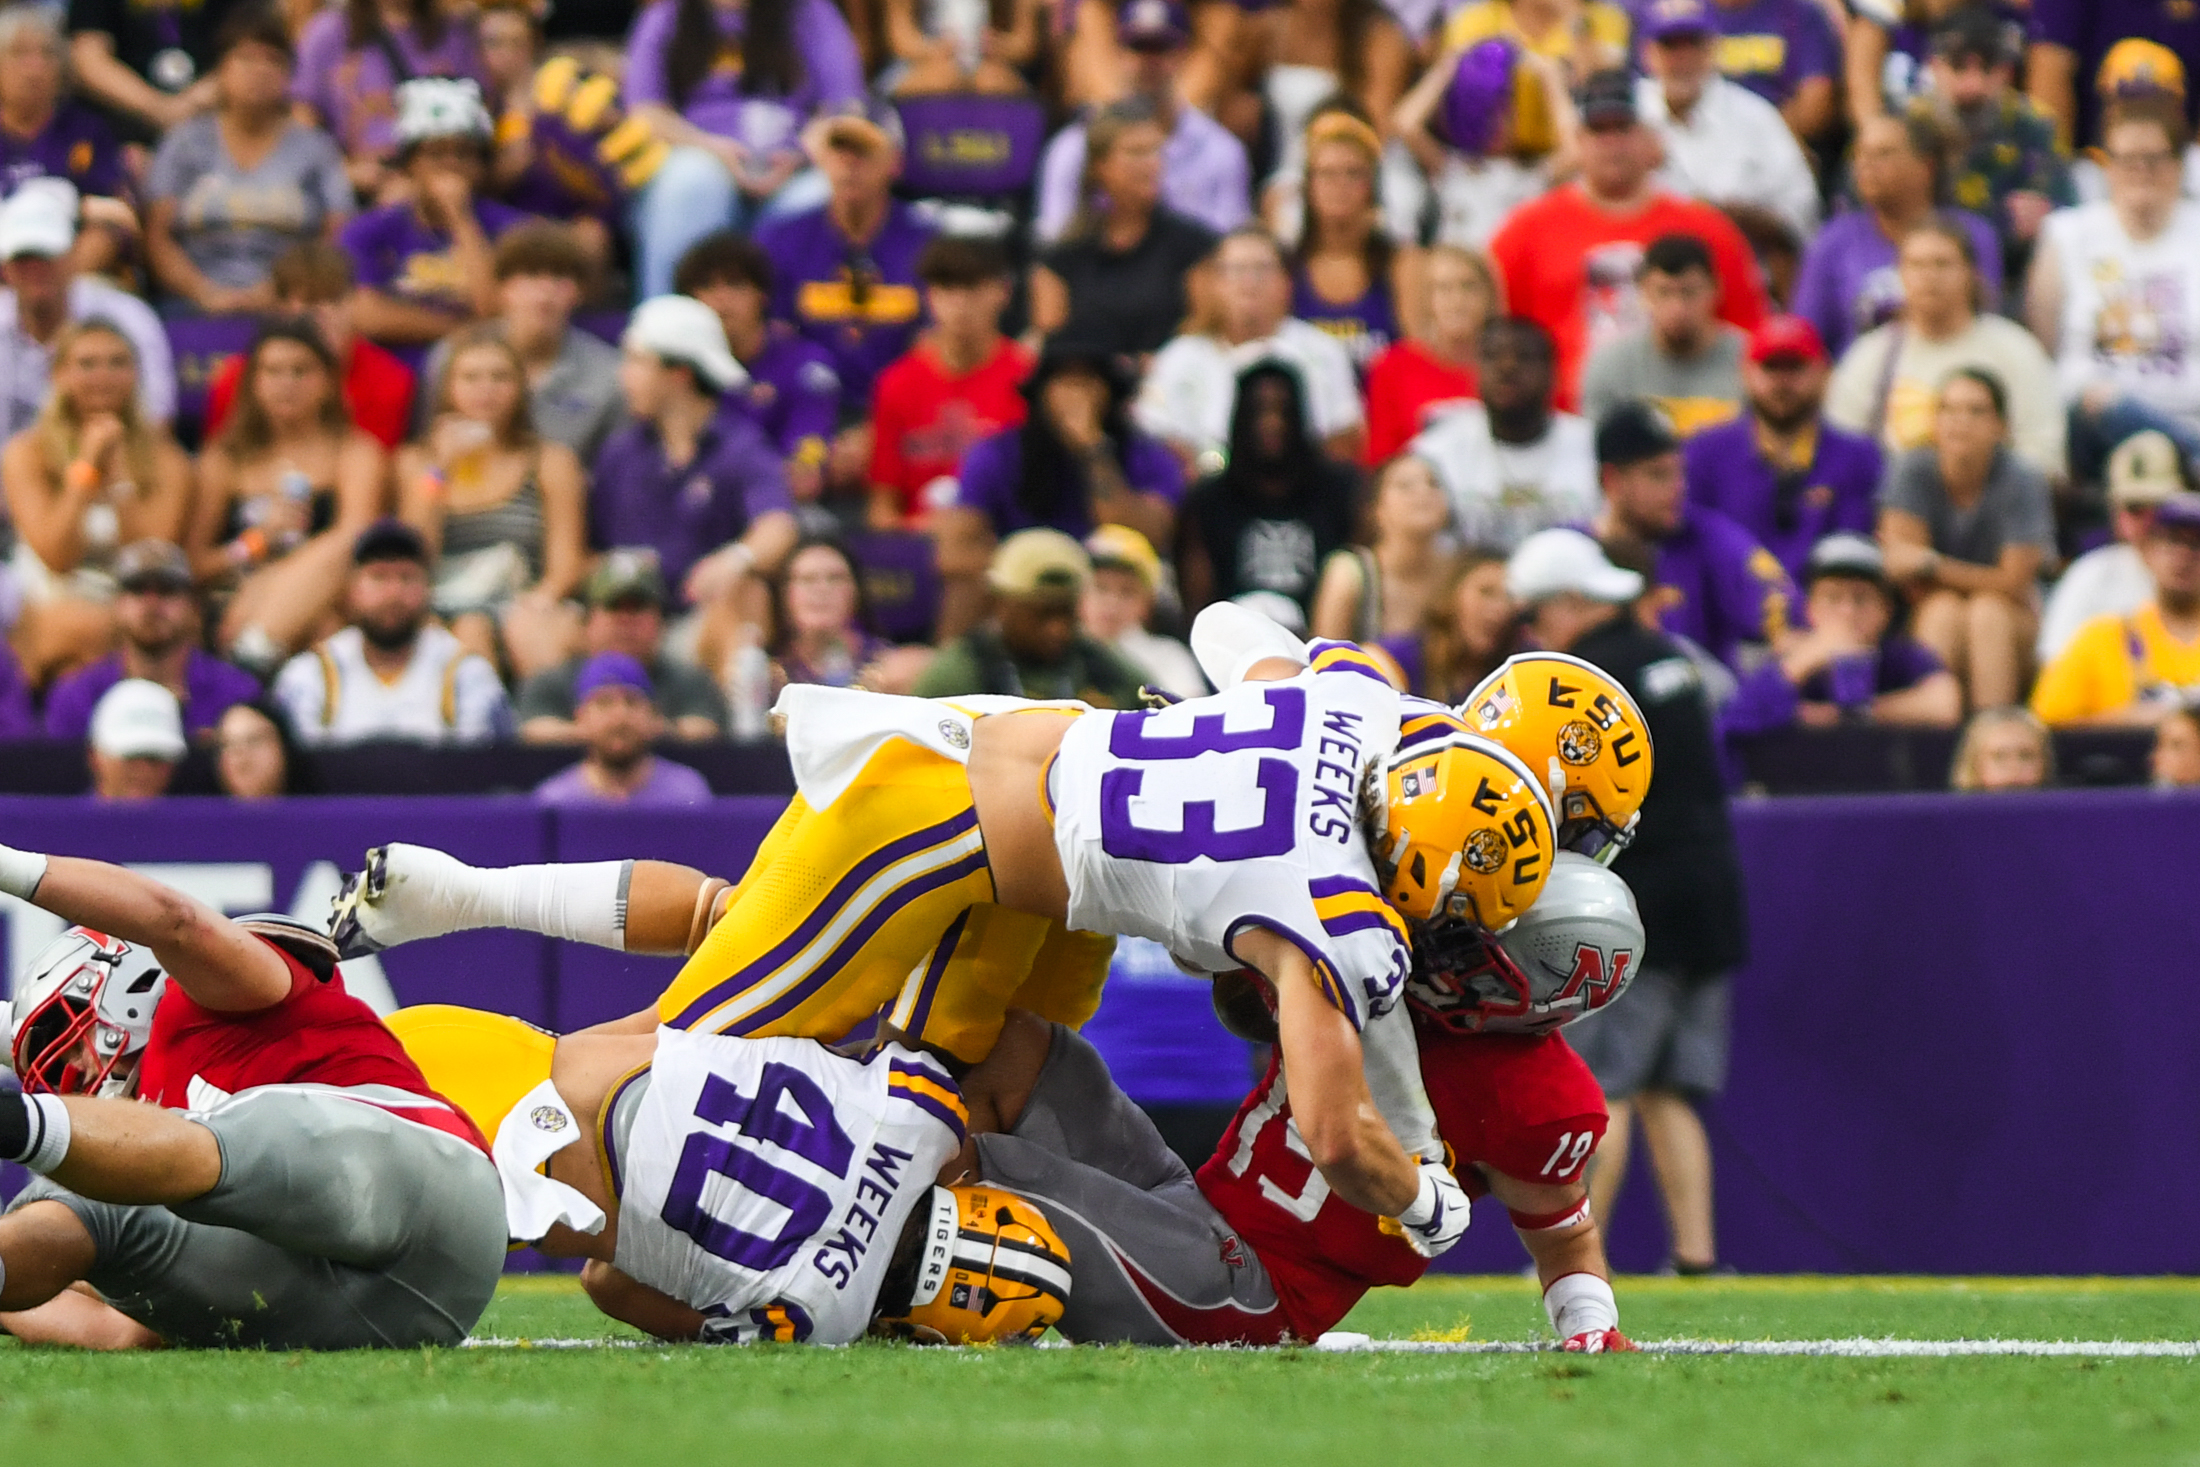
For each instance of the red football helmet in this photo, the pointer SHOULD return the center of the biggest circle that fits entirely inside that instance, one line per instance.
(83, 982)
(1572, 953)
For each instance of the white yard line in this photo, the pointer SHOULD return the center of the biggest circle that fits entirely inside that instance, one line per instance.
(1858, 1348)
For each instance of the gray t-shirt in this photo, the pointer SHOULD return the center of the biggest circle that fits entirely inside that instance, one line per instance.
(2016, 507)
(233, 223)
(682, 692)
(1696, 392)
(577, 402)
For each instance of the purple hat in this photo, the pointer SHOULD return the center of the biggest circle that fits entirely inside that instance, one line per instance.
(1480, 96)
(2178, 512)
(610, 670)
(1153, 25)
(1663, 20)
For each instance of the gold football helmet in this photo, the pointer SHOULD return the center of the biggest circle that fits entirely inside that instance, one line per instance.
(991, 1268)
(1569, 720)
(1467, 830)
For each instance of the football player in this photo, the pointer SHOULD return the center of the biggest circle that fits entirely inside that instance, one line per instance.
(293, 1183)
(948, 860)
(1257, 1249)
(738, 1190)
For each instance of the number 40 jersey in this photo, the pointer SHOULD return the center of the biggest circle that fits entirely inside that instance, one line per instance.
(1189, 823)
(766, 1181)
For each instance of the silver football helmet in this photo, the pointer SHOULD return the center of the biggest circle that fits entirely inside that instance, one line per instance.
(84, 982)
(1570, 954)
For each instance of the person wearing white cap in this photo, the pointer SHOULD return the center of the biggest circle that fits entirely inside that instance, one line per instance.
(701, 489)
(2112, 580)
(137, 737)
(1665, 1048)
(44, 293)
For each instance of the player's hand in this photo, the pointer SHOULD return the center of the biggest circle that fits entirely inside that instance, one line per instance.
(1600, 1342)
(1439, 1214)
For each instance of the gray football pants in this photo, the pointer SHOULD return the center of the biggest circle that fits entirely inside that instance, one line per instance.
(1151, 1261)
(335, 1226)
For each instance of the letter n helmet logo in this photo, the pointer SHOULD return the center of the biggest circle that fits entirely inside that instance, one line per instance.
(1597, 977)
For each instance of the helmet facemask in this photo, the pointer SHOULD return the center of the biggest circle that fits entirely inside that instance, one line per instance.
(81, 1020)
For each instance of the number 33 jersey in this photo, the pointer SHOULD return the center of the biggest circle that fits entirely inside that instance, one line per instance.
(766, 1181)
(1189, 823)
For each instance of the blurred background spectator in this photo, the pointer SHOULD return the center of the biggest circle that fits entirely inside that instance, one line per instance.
(1780, 470)
(1511, 463)
(1967, 525)
(502, 509)
(284, 491)
(2009, 166)
(2174, 762)
(136, 741)
(940, 49)
(2112, 579)
(626, 601)
(1119, 603)
(2003, 749)
(1888, 382)
(1385, 586)
(2138, 667)
(149, 67)
(1493, 126)
(820, 635)
(1278, 508)
(1032, 647)
(314, 282)
(1431, 371)
(392, 673)
(157, 628)
(1682, 357)
(616, 716)
(45, 133)
(233, 187)
(1466, 630)
(1347, 272)
(256, 757)
(88, 477)
(353, 61)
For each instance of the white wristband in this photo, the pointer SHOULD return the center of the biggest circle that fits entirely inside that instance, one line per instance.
(20, 872)
(1580, 1302)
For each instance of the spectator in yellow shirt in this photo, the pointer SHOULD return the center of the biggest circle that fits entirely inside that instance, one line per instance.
(2135, 670)
(1583, 38)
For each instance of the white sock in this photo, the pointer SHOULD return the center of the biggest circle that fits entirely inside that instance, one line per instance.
(49, 1142)
(428, 893)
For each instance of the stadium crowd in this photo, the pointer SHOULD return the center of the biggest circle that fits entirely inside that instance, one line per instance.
(582, 374)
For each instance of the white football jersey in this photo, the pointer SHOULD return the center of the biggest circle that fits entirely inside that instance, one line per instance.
(766, 1181)
(1188, 823)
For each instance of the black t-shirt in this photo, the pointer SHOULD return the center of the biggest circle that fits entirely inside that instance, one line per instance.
(1683, 867)
(168, 42)
(1260, 544)
(1130, 301)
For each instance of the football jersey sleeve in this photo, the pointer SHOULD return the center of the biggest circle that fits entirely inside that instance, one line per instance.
(1524, 1106)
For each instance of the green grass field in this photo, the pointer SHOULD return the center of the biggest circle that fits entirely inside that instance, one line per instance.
(901, 1406)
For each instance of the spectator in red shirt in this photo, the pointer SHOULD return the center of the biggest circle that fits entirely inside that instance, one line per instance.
(315, 280)
(1414, 381)
(1569, 259)
(958, 384)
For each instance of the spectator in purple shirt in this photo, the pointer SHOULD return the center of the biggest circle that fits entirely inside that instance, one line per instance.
(153, 616)
(1786, 52)
(1849, 283)
(1780, 470)
(1854, 664)
(730, 84)
(699, 487)
(793, 392)
(618, 722)
(845, 273)
(1712, 582)
(427, 265)
(354, 58)
(45, 134)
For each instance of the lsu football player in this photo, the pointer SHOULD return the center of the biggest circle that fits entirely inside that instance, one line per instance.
(739, 1190)
(945, 861)
(1257, 1249)
(1582, 732)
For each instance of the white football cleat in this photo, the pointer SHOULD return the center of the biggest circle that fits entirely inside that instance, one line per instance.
(403, 894)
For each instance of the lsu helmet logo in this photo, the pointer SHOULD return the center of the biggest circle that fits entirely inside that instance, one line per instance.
(1486, 850)
(1579, 743)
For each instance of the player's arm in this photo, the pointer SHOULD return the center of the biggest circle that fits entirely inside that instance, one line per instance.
(1322, 1059)
(637, 1304)
(219, 964)
(1560, 1234)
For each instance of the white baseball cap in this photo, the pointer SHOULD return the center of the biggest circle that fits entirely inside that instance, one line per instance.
(39, 218)
(138, 719)
(1551, 562)
(680, 328)
(441, 107)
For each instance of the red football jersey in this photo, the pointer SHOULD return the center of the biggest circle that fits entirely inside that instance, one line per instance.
(1523, 1106)
(924, 421)
(1571, 267)
(1406, 389)
(319, 1035)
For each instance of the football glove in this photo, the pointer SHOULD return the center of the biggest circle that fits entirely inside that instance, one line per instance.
(1439, 1214)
